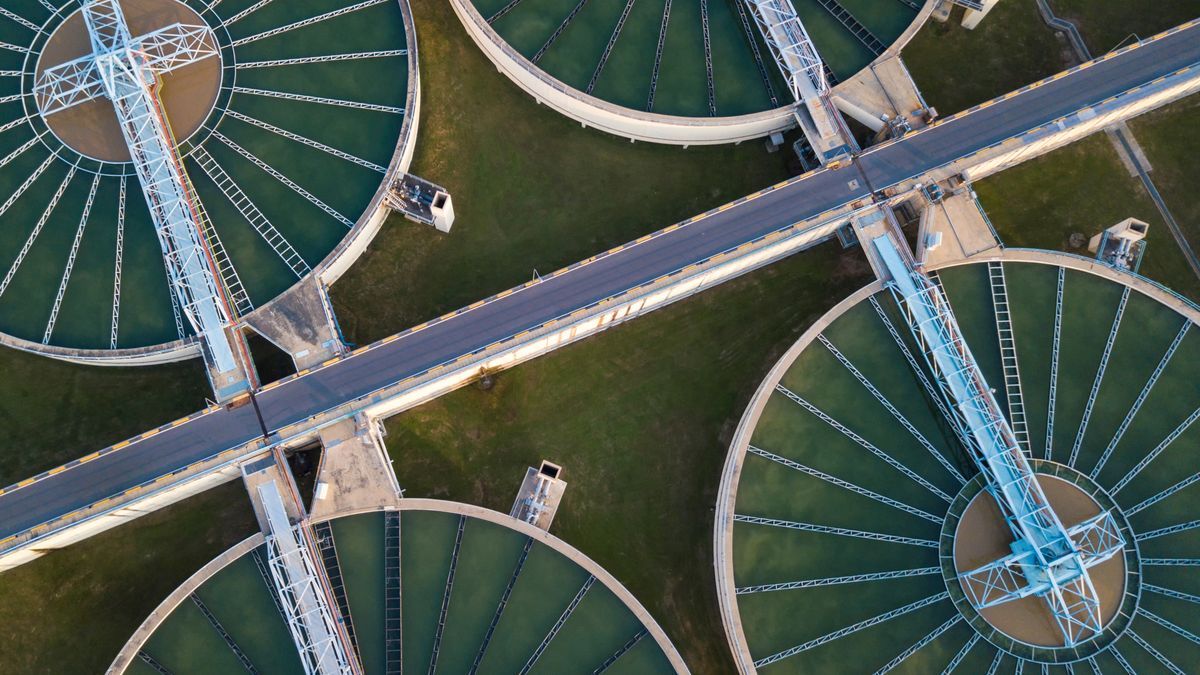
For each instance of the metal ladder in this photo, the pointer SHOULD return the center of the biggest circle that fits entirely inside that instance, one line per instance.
(251, 213)
(853, 25)
(229, 276)
(1008, 355)
(393, 634)
(333, 569)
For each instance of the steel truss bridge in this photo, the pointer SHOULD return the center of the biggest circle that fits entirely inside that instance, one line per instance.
(307, 607)
(1048, 560)
(125, 70)
(36, 506)
(802, 68)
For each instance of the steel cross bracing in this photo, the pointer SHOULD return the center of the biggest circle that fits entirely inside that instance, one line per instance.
(802, 68)
(309, 614)
(125, 70)
(794, 51)
(1048, 559)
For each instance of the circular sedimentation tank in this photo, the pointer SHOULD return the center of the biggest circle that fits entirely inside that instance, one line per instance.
(289, 136)
(675, 70)
(849, 508)
(483, 590)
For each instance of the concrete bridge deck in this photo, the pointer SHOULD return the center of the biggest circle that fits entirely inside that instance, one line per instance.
(1162, 61)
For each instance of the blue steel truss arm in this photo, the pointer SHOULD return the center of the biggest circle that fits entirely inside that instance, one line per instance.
(1047, 560)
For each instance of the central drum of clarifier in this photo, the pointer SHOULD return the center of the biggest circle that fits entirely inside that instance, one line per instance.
(975, 534)
(188, 94)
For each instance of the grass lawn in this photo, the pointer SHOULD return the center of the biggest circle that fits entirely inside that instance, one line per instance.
(640, 418)
(1170, 138)
(72, 610)
(956, 68)
(1083, 188)
(52, 412)
(1109, 23)
(532, 190)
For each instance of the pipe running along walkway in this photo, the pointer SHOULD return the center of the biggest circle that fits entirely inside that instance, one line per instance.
(502, 318)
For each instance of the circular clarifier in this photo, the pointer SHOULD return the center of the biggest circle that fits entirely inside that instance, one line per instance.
(677, 71)
(433, 586)
(850, 510)
(290, 136)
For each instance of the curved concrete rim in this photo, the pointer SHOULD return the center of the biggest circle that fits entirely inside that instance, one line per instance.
(129, 652)
(1153, 290)
(727, 491)
(637, 124)
(164, 609)
(345, 254)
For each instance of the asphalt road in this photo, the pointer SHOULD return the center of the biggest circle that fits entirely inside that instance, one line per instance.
(146, 459)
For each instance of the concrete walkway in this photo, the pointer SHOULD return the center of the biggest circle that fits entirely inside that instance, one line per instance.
(963, 226)
(301, 323)
(355, 470)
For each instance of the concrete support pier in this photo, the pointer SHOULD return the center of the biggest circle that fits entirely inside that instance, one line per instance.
(355, 472)
(301, 323)
(973, 16)
(885, 88)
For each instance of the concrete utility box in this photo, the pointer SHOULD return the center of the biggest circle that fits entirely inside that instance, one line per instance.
(539, 496)
(422, 201)
(442, 209)
(1121, 245)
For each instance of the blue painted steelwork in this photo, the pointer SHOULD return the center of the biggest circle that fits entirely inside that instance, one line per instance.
(125, 70)
(1047, 559)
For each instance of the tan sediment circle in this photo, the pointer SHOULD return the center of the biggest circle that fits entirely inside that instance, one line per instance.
(188, 94)
(982, 536)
